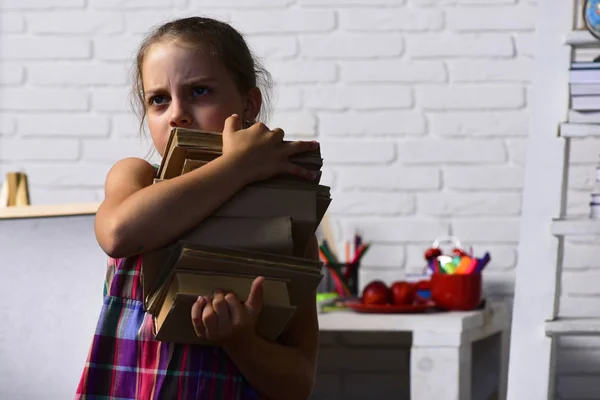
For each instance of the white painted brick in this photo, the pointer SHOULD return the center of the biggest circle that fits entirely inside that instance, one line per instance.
(498, 283)
(328, 177)
(11, 22)
(76, 22)
(578, 203)
(578, 387)
(585, 150)
(393, 230)
(11, 74)
(382, 255)
(117, 48)
(517, 151)
(40, 4)
(467, 151)
(360, 203)
(579, 255)
(525, 44)
(590, 342)
(283, 21)
(143, 21)
(483, 123)
(580, 306)
(295, 124)
(580, 282)
(120, 4)
(372, 123)
(30, 99)
(484, 177)
(582, 177)
(578, 361)
(110, 151)
(430, 45)
(77, 74)
(241, 3)
(372, 3)
(487, 230)
(360, 97)
(375, 386)
(393, 71)
(74, 175)
(275, 47)
(390, 178)
(388, 276)
(352, 45)
(361, 359)
(379, 339)
(49, 196)
(42, 48)
(126, 125)
(83, 125)
(470, 97)
(298, 71)
(39, 149)
(104, 99)
(401, 19)
(287, 98)
(8, 125)
(358, 152)
(502, 18)
(503, 257)
(449, 204)
(514, 70)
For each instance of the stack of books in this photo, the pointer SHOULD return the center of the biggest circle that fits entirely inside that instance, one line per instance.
(595, 202)
(584, 84)
(263, 230)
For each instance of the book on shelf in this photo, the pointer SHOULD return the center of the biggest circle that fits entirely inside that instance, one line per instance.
(263, 230)
(584, 85)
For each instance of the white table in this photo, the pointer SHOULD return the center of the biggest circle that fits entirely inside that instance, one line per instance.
(444, 364)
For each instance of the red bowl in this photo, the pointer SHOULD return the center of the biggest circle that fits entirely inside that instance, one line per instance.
(457, 292)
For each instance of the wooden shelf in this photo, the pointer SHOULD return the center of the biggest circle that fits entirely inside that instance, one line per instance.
(573, 327)
(581, 38)
(576, 130)
(59, 210)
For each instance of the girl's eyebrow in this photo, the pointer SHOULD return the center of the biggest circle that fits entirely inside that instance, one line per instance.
(190, 82)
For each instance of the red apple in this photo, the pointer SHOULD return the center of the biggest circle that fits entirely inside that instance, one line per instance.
(376, 292)
(403, 293)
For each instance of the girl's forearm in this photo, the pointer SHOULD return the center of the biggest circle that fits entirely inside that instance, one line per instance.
(275, 371)
(158, 214)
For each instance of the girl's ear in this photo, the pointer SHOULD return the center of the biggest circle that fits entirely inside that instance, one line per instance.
(253, 103)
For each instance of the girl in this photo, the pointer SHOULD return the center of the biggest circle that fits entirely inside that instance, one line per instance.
(195, 73)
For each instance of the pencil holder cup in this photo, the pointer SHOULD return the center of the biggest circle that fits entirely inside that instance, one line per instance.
(346, 273)
(456, 292)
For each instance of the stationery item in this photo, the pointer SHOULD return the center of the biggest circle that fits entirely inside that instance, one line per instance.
(460, 262)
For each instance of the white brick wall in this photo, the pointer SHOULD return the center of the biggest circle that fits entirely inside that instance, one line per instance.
(420, 105)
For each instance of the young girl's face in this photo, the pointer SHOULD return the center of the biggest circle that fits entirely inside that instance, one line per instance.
(185, 87)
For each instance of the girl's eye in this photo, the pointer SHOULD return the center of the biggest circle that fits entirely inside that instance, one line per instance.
(157, 100)
(200, 91)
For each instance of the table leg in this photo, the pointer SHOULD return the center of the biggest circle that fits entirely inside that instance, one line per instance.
(440, 373)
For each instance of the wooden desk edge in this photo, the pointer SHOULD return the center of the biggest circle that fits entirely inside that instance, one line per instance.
(51, 210)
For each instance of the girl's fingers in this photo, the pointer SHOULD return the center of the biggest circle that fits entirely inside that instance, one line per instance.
(232, 123)
(295, 169)
(223, 317)
(209, 318)
(278, 134)
(236, 308)
(197, 310)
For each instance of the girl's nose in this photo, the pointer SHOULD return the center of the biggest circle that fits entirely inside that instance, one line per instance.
(180, 117)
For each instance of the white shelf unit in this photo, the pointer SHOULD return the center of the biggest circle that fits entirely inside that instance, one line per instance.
(544, 224)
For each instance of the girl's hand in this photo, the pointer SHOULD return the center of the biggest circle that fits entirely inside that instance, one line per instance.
(224, 317)
(261, 152)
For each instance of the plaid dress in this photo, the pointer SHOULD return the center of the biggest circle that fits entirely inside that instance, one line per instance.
(125, 362)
